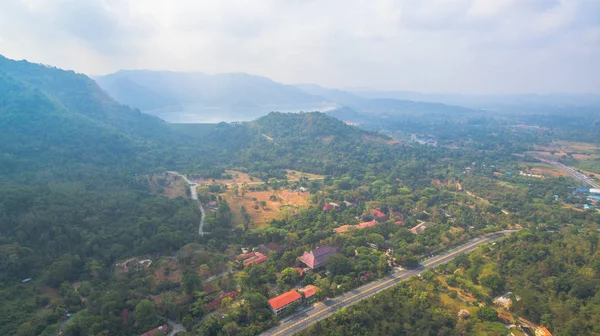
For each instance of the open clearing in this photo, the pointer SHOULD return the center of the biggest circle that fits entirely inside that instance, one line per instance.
(171, 186)
(278, 204)
(580, 151)
(539, 168)
(294, 175)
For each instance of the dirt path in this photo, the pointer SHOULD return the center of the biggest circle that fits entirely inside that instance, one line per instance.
(194, 194)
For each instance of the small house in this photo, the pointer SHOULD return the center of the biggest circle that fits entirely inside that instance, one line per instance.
(419, 228)
(378, 215)
(309, 291)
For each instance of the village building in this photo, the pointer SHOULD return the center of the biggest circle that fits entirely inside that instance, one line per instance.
(347, 227)
(318, 257)
(309, 291)
(279, 303)
(162, 330)
(269, 248)
(378, 215)
(398, 218)
(419, 228)
(542, 331)
(251, 258)
(330, 206)
(505, 300)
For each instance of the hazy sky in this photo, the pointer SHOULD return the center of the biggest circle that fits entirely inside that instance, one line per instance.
(469, 46)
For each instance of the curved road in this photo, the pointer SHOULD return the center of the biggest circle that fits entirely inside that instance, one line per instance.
(321, 310)
(194, 194)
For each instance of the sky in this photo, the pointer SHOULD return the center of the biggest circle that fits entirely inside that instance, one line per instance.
(441, 46)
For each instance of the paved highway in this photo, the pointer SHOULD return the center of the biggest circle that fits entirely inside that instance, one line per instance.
(318, 311)
(571, 172)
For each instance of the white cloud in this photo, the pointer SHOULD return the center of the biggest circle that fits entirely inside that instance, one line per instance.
(421, 45)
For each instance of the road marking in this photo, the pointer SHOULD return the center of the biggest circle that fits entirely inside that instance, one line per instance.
(369, 289)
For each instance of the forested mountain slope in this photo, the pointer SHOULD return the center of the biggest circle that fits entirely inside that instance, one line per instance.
(73, 197)
(51, 118)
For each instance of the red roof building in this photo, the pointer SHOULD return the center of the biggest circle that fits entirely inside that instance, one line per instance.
(347, 227)
(318, 257)
(300, 270)
(279, 303)
(542, 331)
(309, 291)
(343, 228)
(398, 218)
(367, 224)
(330, 206)
(162, 330)
(379, 216)
(251, 258)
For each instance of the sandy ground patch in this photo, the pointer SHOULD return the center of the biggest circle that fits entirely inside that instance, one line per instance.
(161, 274)
(539, 168)
(278, 203)
(170, 186)
(293, 175)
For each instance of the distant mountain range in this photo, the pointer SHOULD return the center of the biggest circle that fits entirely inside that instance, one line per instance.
(183, 97)
(197, 97)
(191, 97)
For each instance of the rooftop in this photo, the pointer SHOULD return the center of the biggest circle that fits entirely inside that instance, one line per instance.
(309, 290)
(284, 299)
(155, 331)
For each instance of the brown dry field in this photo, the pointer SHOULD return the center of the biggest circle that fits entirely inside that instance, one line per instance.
(585, 151)
(287, 201)
(238, 178)
(175, 275)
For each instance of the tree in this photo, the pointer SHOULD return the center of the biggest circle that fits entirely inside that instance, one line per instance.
(204, 270)
(493, 281)
(339, 265)
(487, 314)
(290, 275)
(145, 315)
(375, 238)
(191, 280)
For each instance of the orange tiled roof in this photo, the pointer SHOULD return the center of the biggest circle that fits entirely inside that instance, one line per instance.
(284, 299)
(309, 290)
